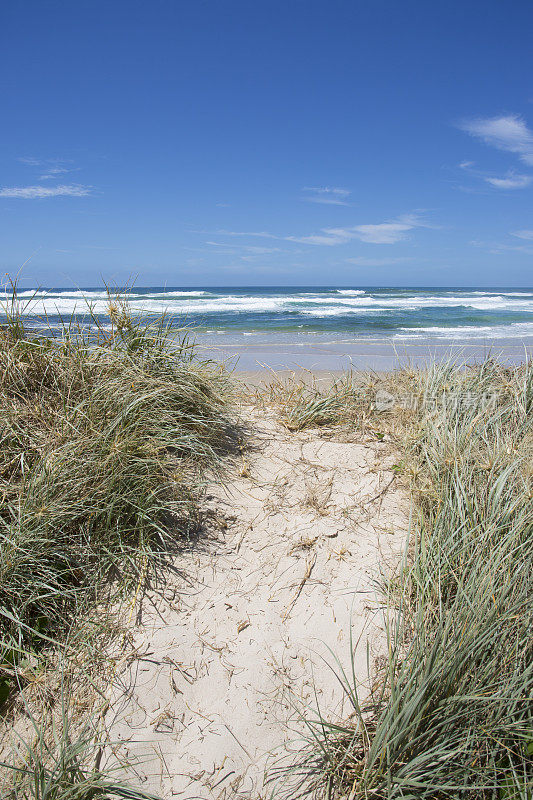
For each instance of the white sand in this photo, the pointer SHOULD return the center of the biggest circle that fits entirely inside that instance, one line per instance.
(223, 664)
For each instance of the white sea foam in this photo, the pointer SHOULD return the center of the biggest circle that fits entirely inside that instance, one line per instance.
(517, 330)
(507, 294)
(88, 295)
(179, 294)
(335, 303)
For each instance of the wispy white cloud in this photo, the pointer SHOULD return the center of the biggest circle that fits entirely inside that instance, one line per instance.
(327, 195)
(53, 172)
(260, 234)
(250, 248)
(501, 248)
(31, 162)
(508, 132)
(381, 233)
(524, 234)
(389, 232)
(327, 236)
(510, 181)
(498, 248)
(52, 166)
(246, 252)
(361, 261)
(38, 192)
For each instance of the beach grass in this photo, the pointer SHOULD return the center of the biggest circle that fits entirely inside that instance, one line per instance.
(450, 715)
(108, 434)
(59, 763)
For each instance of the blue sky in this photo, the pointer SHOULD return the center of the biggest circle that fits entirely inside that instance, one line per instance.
(302, 142)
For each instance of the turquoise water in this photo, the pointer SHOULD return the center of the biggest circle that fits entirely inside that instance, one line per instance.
(400, 313)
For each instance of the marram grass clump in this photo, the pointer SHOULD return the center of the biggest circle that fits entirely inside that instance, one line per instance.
(107, 436)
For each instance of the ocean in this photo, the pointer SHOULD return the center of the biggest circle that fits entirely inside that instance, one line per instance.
(369, 312)
(236, 320)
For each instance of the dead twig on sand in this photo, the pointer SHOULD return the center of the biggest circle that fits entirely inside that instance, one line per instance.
(380, 493)
(310, 565)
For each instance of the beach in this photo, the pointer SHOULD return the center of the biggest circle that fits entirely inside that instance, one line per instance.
(231, 574)
(260, 352)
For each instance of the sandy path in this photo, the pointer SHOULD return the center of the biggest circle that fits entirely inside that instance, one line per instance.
(224, 663)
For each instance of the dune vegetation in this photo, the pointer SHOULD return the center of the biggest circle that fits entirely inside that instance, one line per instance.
(450, 715)
(107, 436)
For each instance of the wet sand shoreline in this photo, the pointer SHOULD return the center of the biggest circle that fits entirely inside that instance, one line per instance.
(257, 355)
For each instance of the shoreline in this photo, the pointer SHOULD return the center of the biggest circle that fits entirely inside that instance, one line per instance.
(244, 353)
